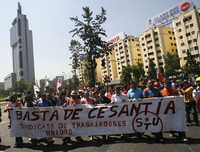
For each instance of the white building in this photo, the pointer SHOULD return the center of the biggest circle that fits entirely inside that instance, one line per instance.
(187, 32)
(10, 81)
(22, 48)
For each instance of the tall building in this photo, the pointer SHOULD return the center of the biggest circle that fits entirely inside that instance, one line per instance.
(187, 32)
(125, 51)
(10, 81)
(155, 43)
(22, 48)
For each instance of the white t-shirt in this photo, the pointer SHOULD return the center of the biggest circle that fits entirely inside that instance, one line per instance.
(118, 99)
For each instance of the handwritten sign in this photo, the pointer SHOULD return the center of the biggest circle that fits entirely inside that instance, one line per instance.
(147, 115)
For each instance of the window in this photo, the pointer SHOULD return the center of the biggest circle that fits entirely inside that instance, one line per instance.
(181, 37)
(157, 45)
(142, 44)
(193, 32)
(156, 39)
(170, 38)
(182, 44)
(187, 34)
(19, 27)
(179, 30)
(21, 73)
(20, 59)
(187, 18)
(191, 25)
(196, 47)
(169, 32)
(149, 41)
(183, 51)
(187, 26)
(150, 47)
(132, 39)
(120, 47)
(194, 40)
(189, 41)
(172, 44)
(159, 51)
(178, 23)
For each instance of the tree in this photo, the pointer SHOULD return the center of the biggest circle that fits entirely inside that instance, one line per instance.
(152, 71)
(89, 30)
(132, 73)
(126, 77)
(75, 48)
(172, 64)
(23, 86)
(192, 66)
(138, 72)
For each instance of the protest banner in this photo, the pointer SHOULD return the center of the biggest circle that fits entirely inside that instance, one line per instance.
(147, 115)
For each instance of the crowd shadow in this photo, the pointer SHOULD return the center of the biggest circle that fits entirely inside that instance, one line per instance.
(98, 143)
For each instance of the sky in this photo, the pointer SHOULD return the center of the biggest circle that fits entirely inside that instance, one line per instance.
(50, 23)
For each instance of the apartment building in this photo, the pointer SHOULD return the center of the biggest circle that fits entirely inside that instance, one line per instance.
(187, 33)
(155, 43)
(125, 51)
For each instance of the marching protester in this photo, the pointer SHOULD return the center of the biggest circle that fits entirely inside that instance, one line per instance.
(170, 90)
(150, 92)
(72, 101)
(190, 103)
(196, 93)
(45, 103)
(94, 96)
(14, 102)
(118, 97)
(135, 92)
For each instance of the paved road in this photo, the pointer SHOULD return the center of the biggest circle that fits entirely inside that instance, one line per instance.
(114, 145)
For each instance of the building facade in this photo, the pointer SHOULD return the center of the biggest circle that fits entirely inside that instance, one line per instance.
(22, 48)
(125, 51)
(155, 43)
(1, 85)
(187, 32)
(10, 81)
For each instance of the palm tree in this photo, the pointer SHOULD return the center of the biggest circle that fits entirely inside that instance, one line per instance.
(89, 30)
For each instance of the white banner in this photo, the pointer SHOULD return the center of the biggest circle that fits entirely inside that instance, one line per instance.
(147, 115)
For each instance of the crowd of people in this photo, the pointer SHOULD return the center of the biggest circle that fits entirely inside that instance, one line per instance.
(112, 95)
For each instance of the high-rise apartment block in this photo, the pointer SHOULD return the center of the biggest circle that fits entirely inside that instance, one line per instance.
(155, 43)
(187, 32)
(22, 48)
(125, 51)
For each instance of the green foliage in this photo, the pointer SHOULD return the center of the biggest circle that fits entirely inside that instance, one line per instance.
(172, 64)
(152, 72)
(23, 86)
(132, 73)
(192, 66)
(89, 30)
(75, 49)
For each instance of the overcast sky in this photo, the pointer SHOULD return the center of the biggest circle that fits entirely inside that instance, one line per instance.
(49, 21)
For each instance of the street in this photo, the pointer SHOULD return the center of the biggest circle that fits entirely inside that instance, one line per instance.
(115, 144)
